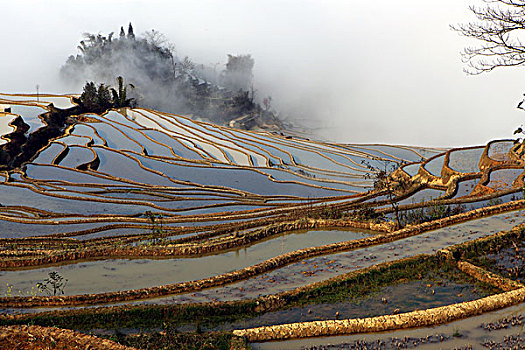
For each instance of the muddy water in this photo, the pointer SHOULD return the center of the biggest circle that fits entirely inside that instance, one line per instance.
(467, 332)
(123, 274)
(286, 278)
(320, 268)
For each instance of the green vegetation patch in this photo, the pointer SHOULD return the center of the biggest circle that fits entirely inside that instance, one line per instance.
(170, 339)
(371, 280)
(481, 252)
(138, 317)
(432, 212)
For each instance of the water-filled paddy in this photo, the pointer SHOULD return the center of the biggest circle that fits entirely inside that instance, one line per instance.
(30, 115)
(465, 187)
(316, 269)
(58, 101)
(5, 128)
(77, 156)
(412, 169)
(503, 178)
(465, 160)
(403, 297)
(123, 274)
(498, 200)
(423, 195)
(50, 153)
(434, 166)
(499, 150)
(74, 140)
(473, 332)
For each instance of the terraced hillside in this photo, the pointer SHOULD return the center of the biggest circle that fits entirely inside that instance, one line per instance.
(175, 224)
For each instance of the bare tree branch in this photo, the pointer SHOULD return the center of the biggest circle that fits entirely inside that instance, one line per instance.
(500, 25)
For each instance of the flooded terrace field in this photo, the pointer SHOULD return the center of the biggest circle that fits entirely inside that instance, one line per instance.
(141, 209)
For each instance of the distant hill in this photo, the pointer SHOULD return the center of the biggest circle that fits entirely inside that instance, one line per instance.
(168, 83)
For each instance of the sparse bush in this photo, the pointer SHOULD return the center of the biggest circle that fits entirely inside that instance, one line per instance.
(366, 213)
(54, 284)
(157, 229)
(430, 213)
(494, 201)
(383, 181)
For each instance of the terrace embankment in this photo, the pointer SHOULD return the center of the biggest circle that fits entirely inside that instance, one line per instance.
(21, 149)
(422, 318)
(116, 249)
(515, 293)
(483, 275)
(248, 272)
(419, 318)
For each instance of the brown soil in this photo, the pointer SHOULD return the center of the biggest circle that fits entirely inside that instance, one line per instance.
(44, 338)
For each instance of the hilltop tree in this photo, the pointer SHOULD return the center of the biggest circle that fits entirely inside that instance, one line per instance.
(120, 97)
(131, 35)
(98, 100)
(164, 81)
(238, 74)
(156, 38)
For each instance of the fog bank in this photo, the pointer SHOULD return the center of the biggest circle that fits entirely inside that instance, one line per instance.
(356, 72)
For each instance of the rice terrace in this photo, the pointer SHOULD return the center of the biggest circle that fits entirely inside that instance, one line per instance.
(202, 220)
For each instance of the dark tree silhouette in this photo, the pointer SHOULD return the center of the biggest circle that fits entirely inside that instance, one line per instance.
(501, 30)
(95, 99)
(131, 35)
(120, 97)
(54, 284)
(381, 173)
(100, 99)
